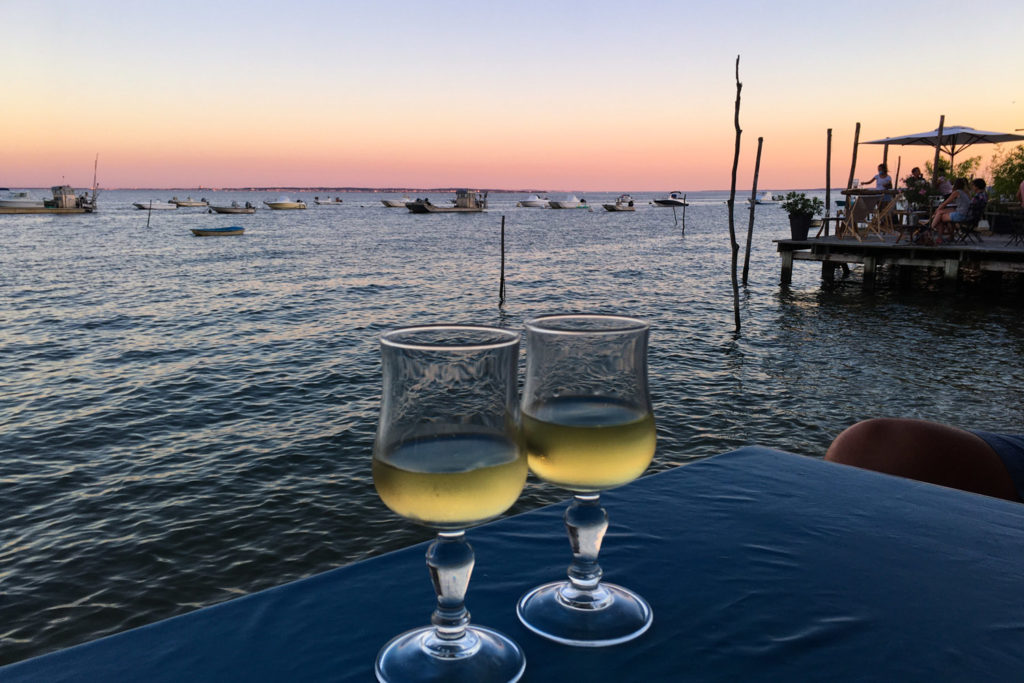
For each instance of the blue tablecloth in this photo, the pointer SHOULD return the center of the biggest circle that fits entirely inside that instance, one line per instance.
(759, 565)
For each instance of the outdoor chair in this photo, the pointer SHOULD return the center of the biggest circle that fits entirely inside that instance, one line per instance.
(860, 212)
(1016, 229)
(881, 221)
(965, 232)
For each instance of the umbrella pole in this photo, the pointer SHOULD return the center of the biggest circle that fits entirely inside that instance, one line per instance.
(938, 148)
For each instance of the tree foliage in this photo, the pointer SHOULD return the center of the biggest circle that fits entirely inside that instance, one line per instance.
(966, 169)
(1007, 172)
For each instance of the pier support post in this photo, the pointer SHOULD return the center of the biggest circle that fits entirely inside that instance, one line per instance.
(787, 267)
(950, 273)
(828, 271)
(869, 273)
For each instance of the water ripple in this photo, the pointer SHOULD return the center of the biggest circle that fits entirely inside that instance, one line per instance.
(188, 420)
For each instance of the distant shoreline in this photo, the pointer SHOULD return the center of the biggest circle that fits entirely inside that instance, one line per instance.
(407, 190)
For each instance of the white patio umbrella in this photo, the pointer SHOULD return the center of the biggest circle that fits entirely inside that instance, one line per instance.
(954, 139)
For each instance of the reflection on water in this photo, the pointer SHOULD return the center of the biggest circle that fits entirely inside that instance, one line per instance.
(190, 419)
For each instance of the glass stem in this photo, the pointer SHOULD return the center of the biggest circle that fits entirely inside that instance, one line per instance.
(450, 559)
(586, 521)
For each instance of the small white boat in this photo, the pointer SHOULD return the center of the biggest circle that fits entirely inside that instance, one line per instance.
(765, 198)
(622, 203)
(188, 201)
(286, 203)
(567, 202)
(155, 205)
(396, 203)
(218, 232)
(235, 208)
(534, 202)
(328, 201)
(676, 198)
(20, 199)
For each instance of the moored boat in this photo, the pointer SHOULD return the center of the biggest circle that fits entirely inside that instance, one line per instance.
(188, 201)
(396, 203)
(328, 201)
(286, 203)
(676, 198)
(64, 201)
(218, 232)
(533, 202)
(466, 201)
(235, 208)
(20, 199)
(765, 198)
(622, 203)
(570, 201)
(155, 205)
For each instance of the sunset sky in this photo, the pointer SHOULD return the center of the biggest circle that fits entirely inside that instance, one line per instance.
(592, 95)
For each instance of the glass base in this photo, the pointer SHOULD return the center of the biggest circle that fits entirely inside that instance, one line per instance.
(482, 655)
(608, 615)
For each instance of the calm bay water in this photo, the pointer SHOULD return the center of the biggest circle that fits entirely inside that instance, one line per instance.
(185, 420)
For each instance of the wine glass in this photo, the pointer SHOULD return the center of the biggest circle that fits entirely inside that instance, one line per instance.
(448, 455)
(588, 426)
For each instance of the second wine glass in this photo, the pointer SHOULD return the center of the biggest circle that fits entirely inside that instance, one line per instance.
(589, 427)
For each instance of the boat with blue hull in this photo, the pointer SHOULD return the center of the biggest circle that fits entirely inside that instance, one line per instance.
(218, 232)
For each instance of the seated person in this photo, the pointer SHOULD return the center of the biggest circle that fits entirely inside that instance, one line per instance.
(1020, 194)
(944, 187)
(953, 208)
(915, 176)
(978, 202)
(980, 462)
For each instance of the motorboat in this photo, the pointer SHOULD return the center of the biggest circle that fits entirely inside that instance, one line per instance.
(567, 202)
(283, 202)
(622, 203)
(466, 201)
(396, 203)
(534, 202)
(20, 199)
(766, 198)
(328, 201)
(218, 232)
(235, 208)
(676, 198)
(155, 205)
(64, 201)
(188, 201)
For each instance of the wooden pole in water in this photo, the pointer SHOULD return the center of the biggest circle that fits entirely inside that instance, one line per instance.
(853, 165)
(149, 213)
(732, 201)
(828, 179)
(683, 229)
(501, 285)
(938, 148)
(753, 203)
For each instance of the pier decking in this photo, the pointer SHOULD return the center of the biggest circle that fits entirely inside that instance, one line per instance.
(993, 254)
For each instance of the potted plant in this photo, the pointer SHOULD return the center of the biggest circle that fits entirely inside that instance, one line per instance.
(801, 210)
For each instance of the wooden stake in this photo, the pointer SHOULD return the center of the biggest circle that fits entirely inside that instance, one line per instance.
(501, 285)
(828, 179)
(853, 165)
(753, 203)
(732, 201)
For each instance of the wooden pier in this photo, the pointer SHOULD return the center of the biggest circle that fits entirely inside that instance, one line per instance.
(994, 254)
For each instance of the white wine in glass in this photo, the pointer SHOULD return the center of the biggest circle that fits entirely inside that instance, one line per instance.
(449, 455)
(588, 426)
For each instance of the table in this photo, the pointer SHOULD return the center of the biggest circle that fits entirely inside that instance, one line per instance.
(759, 565)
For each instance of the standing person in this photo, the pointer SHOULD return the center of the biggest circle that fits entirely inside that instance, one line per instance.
(915, 175)
(883, 181)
